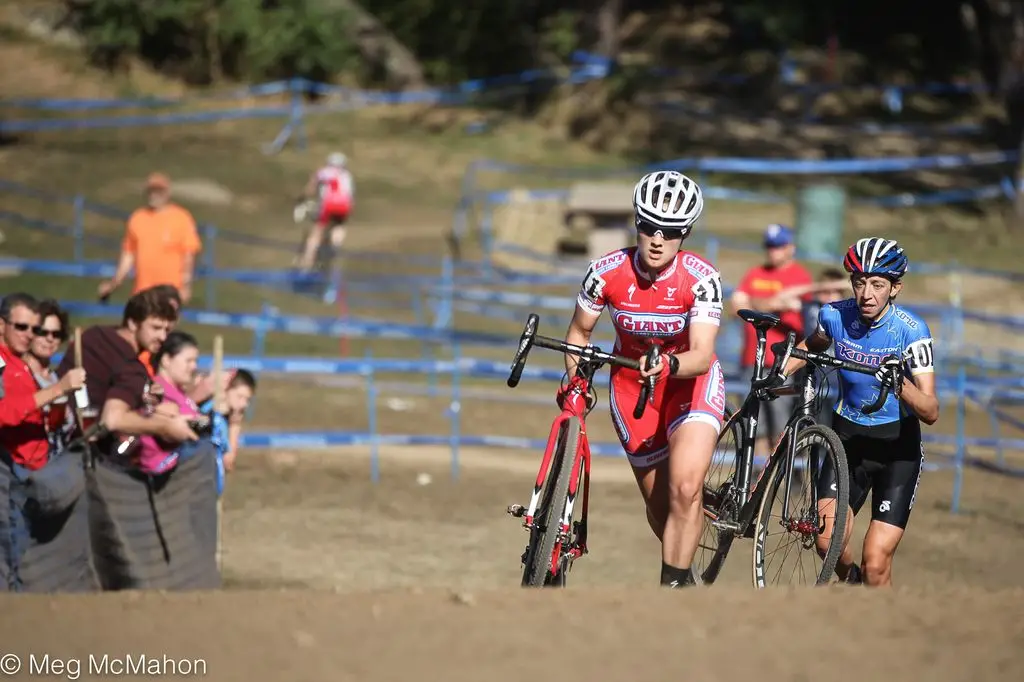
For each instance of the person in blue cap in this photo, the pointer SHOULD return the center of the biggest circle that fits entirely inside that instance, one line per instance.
(762, 289)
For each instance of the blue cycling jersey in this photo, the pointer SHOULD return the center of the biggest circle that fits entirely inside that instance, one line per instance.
(220, 440)
(898, 332)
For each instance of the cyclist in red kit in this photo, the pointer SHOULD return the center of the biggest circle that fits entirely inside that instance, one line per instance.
(334, 188)
(656, 293)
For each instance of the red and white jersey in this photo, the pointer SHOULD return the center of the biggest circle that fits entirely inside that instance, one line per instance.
(335, 185)
(645, 313)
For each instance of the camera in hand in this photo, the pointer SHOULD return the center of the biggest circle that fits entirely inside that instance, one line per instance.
(202, 425)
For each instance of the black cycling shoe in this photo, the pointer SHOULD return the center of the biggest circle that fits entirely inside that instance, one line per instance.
(854, 577)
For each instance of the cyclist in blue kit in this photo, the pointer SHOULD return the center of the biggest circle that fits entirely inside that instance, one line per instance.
(883, 450)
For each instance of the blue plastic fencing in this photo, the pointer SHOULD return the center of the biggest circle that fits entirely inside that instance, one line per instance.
(477, 295)
(335, 98)
(442, 288)
(460, 368)
(476, 193)
(466, 284)
(584, 67)
(961, 388)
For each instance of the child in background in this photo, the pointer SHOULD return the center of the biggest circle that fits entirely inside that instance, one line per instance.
(227, 420)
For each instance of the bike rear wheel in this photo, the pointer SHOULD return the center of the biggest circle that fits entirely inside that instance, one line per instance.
(720, 502)
(799, 532)
(544, 535)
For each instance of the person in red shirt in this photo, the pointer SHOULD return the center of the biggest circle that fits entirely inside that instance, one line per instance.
(23, 435)
(761, 289)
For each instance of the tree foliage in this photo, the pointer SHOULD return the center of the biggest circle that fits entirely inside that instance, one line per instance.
(205, 40)
(452, 40)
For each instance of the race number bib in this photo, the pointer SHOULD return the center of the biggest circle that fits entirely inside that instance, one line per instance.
(708, 291)
(920, 357)
(593, 286)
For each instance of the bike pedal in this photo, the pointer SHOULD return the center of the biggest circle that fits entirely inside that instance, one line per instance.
(730, 526)
(516, 510)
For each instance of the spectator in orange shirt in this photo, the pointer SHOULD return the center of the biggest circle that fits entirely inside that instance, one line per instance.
(160, 241)
(759, 290)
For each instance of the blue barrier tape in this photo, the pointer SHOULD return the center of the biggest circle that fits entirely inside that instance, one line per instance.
(872, 127)
(460, 292)
(779, 166)
(308, 325)
(586, 67)
(220, 234)
(45, 125)
(534, 301)
(326, 439)
(497, 370)
(85, 104)
(904, 200)
(243, 238)
(461, 94)
(389, 284)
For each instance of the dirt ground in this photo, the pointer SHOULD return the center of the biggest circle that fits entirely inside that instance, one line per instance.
(330, 577)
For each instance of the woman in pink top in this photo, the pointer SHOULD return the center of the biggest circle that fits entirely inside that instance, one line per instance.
(175, 367)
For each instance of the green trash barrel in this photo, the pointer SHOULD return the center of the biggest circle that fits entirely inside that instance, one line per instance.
(820, 219)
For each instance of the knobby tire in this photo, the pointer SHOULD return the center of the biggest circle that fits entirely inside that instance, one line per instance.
(832, 448)
(707, 573)
(553, 500)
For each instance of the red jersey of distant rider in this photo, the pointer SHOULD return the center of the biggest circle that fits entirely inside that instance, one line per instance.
(336, 194)
(645, 312)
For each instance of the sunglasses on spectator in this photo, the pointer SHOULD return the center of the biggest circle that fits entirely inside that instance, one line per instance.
(57, 334)
(43, 332)
(21, 326)
(668, 233)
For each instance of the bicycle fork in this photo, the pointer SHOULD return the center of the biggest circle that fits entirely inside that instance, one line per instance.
(811, 524)
(567, 529)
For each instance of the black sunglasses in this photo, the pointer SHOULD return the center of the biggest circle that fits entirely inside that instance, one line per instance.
(37, 331)
(669, 233)
(42, 332)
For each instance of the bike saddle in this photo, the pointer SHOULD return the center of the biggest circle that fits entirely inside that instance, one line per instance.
(761, 320)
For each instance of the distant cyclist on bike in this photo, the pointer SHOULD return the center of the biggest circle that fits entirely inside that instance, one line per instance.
(658, 294)
(883, 450)
(332, 187)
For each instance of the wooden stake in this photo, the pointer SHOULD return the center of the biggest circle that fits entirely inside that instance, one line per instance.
(78, 365)
(218, 400)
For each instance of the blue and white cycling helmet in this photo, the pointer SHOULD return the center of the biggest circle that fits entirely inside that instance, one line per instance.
(876, 256)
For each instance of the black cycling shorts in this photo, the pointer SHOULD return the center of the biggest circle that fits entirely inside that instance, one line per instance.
(889, 468)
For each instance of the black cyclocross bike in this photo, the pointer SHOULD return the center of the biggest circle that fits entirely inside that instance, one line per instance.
(778, 503)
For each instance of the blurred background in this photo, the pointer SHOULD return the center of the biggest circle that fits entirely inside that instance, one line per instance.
(493, 146)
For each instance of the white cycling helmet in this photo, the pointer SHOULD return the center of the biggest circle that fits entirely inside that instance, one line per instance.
(337, 159)
(668, 199)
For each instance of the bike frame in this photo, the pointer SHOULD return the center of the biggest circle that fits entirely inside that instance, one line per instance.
(748, 493)
(574, 404)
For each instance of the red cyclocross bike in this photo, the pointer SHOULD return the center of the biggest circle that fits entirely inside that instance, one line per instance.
(556, 539)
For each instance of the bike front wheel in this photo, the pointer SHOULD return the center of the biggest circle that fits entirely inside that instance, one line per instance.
(803, 542)
(546, 532)
(720, 503)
